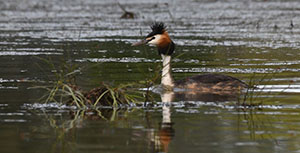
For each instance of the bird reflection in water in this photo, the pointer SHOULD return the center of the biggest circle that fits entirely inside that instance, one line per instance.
(166, 132)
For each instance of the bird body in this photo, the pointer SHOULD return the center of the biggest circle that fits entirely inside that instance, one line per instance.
(211, 83)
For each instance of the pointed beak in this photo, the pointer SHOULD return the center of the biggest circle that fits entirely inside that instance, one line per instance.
(142, 42)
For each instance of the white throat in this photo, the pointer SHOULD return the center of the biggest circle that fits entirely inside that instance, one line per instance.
(166, 78)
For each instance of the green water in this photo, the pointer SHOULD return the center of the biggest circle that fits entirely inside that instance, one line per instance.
(251, 40)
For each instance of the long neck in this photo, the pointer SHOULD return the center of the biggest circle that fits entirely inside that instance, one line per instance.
(166, 78)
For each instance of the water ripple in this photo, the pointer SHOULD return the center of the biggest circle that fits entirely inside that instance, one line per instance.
(22, 53)
(235, 70)
(121, 60)
(182, 106)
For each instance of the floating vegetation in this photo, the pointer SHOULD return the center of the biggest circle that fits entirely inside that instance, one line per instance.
(64, 90)
(103, 95)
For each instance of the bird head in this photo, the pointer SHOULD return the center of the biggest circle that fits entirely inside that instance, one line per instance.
(160, 38)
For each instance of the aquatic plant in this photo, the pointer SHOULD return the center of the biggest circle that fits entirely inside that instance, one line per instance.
(103, 95)
(63, 89)
(251, 98)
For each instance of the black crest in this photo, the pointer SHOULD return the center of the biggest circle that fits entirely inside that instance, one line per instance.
(157, 28)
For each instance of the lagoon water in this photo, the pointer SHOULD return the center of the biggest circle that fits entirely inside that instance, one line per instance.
(255, 41)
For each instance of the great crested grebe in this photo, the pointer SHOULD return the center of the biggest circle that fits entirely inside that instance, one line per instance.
(202, 83)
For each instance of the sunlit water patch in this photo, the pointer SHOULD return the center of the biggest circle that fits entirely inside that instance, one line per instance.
(8, 87)
(121, 60)
(279, 63)
(236, 70)
(23, 80)
(181, 105)
(3, 105)
(13, 120)
(22, 53)
(278, 88)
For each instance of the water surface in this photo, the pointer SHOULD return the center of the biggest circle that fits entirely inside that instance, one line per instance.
(252, 40)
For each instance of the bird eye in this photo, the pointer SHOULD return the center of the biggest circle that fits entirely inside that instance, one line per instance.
(152, 38)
